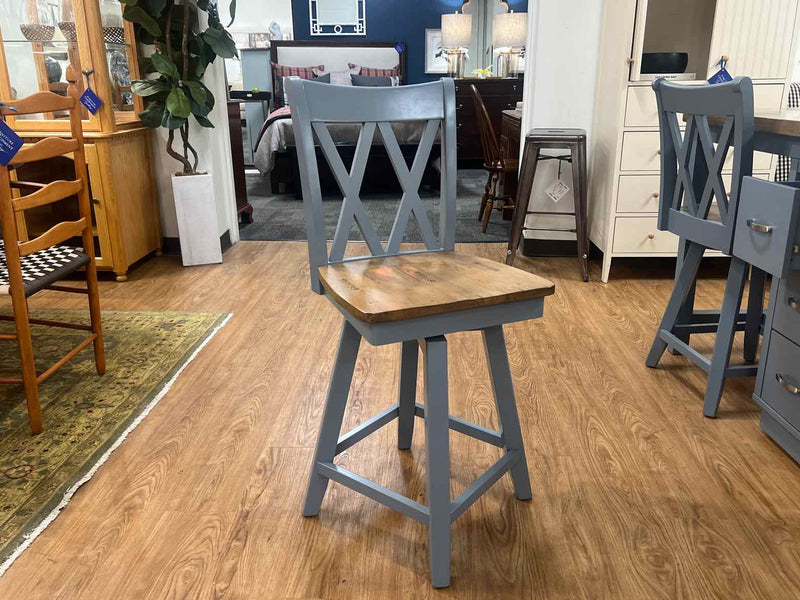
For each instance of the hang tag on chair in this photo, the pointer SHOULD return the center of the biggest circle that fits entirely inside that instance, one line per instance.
(557, 191)
(721, 76)
(10, 143)
(90, 100)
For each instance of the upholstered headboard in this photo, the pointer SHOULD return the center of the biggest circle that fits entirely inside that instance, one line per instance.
(336, 54)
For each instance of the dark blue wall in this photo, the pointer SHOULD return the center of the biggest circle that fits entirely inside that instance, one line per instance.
(395, 20)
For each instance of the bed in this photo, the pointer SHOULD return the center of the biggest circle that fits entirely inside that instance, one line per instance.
(275, 154)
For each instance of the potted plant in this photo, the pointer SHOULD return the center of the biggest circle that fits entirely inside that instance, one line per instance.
(186, 36)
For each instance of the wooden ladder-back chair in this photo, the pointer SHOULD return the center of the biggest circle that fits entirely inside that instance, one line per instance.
(408, 297)
(37, 264)
(695, 205)
(496, 165)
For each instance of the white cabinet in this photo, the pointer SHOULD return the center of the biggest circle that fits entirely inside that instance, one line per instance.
(757, 36)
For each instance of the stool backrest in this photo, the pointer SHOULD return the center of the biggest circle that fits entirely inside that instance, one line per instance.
(692, 161)
(314, 105)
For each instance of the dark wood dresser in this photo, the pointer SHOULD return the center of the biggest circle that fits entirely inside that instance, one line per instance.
(498, 94)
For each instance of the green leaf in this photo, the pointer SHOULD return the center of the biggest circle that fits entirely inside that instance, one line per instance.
(197, 90)
(171, 122)
(164, 65)
(136, 14)
(204, 122)
(232, 11)
(199, 109)
(153, 114)
(220, 41)
(149, 87)
(178, 103)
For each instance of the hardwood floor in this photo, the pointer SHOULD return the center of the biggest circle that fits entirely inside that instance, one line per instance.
(635, 494)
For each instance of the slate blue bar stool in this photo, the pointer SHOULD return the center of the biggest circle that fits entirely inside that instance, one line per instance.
(411, 298)
(695, 205)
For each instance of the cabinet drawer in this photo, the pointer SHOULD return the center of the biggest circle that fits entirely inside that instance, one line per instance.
(641, 111)
(767, 233)
(782, 379)
(787, 307)
(640, 152)
(641, 234)
(638, 193)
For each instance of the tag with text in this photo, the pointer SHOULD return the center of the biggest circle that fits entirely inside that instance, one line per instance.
(10, 143)
(557, 191)
(90, 100)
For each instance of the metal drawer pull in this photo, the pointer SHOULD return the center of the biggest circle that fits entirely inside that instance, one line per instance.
(760, 227)
(787, 385)
(795, 304)
(796, 249)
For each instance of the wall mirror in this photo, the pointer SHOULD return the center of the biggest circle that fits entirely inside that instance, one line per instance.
(337, 17)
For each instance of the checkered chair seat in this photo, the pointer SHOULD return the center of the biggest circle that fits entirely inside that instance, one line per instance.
(43, 268)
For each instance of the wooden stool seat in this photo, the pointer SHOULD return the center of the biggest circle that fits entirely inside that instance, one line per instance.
(392, 288)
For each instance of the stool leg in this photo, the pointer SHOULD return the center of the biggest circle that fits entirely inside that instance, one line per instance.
(684, 283)
(578, 152)
(496, 355)
(434, 355)
(734, 289)
(755, 312)
(409, 353)
(530, 159)
(332, 417)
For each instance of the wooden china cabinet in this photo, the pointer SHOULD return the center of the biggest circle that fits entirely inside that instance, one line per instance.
(36, 46)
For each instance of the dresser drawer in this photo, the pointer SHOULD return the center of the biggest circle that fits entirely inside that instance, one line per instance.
(641, 110)
(782, 379)
(641, 235)
(787, 307)
(640, 152)
(638, 193)
(767, 233)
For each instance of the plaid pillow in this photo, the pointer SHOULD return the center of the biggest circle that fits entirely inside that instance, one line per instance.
(281, 71)
(371, 72)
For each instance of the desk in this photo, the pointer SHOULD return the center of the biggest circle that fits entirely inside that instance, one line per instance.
(780, 418)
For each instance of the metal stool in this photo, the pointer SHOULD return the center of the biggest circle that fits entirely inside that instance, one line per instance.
(573, 140)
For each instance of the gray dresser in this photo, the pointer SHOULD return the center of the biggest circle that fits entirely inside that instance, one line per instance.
(768, 236)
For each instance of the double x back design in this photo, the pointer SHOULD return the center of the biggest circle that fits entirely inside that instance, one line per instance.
(692, 162)
(316, 105)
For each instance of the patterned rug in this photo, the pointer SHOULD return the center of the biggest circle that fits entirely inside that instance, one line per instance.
(85, 416)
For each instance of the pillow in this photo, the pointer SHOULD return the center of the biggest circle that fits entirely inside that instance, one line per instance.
(337, 77)
(371, 72)
(363, 81)
(281, 71)
(323, 78)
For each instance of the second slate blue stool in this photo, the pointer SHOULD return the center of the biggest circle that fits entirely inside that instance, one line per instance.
(695, 205)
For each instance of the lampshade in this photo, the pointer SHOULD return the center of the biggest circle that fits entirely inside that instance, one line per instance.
(510, 29)
(456, 30)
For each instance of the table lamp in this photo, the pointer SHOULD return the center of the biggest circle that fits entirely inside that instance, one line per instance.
(509, 35)
(456, 37)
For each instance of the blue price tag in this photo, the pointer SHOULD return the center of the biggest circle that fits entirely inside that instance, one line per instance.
(720, 76)
(90, 100)
(10, 143)
(400, 47)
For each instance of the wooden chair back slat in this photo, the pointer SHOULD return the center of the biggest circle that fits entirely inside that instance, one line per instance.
(491, 148)
(692, 161)
(40, 102)
(52, 192)
(50, 147)
(57, 234)
(315, 105)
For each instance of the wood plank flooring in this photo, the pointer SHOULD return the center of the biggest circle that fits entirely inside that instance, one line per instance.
(635, 494)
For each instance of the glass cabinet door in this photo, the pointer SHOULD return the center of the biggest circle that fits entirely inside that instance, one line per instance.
(42, 37)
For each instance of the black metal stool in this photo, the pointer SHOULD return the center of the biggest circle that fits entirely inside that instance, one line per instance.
(573, 140)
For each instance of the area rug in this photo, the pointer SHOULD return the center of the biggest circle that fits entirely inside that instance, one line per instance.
(85, 416)
(281, 218)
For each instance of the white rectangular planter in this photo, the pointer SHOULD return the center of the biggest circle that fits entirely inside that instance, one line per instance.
(196, 209)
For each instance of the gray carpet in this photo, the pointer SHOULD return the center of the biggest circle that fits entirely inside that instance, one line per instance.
(282, 217)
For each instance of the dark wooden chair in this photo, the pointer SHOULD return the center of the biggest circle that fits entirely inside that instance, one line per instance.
(28, 266)
(494, 163)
